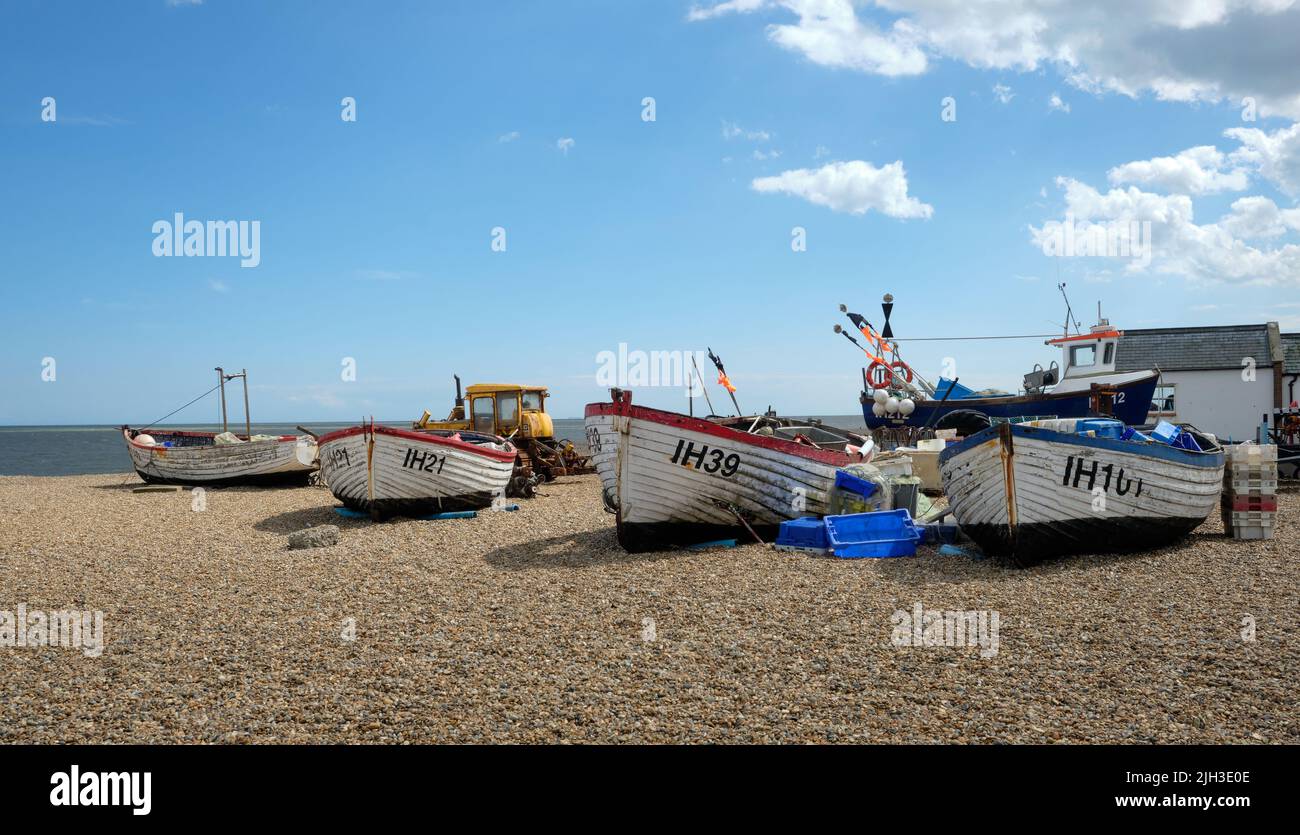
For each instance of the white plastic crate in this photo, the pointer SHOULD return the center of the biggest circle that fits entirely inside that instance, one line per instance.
(1243, 486)
(1252, 453)
(1252, 532)
(1251, 470)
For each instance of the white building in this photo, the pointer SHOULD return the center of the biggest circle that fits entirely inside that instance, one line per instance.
(1223, 379)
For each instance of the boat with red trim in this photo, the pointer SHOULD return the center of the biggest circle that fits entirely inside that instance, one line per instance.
(385, 471)
(676, 480)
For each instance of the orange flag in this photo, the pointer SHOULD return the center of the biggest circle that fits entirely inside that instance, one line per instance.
(725, 383)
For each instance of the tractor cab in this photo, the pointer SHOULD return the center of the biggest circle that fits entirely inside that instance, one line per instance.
(518, 413)
(509, 410)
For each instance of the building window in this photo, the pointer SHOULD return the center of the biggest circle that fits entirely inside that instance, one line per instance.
(1162, 402)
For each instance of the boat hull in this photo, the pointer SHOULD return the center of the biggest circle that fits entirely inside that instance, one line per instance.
(386, 472)
(197, 461)
(1131, 404)
(1026, 494)
(674, 480)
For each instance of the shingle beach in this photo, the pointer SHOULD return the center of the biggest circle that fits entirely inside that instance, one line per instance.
(535, 627)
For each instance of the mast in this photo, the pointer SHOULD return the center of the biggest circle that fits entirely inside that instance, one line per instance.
(221, 382)
(248, 422)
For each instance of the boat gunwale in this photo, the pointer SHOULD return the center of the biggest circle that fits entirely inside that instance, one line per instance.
(677, 420)
(1176, 455)
(507, 454)
(126, 434)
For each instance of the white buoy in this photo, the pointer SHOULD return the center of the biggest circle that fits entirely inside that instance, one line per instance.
(145, 440)
(880, 396)
(877, 410)
(906, 406)
(891, 405)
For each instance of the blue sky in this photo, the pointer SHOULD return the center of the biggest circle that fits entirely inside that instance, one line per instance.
(672, 234)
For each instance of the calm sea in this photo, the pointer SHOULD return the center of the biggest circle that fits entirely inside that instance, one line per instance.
(79, 450)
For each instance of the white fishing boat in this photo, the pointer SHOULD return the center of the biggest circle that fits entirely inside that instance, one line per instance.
(386, 471)
(219, 459)
(1025, 492)
(212, 460)
(675, 480)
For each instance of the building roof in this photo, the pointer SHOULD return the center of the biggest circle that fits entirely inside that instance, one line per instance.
(1192, 349)
(1291, 345)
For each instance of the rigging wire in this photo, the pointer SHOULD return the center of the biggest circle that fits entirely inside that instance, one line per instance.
(191, 403)
(951, 338)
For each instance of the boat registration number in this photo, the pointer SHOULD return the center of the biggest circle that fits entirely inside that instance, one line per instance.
(339, 455)
(706, 459)
(423, 460)
(1086, 477)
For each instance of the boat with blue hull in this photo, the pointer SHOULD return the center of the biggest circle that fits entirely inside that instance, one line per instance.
(1128, 400)
(1085, 383)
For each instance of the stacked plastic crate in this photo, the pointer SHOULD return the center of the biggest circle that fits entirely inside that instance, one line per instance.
(1249, 502)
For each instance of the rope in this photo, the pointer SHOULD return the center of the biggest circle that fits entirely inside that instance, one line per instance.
(951, 338)
(191, 403)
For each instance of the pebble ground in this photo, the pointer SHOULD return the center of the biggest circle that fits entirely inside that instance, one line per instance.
(534, 626)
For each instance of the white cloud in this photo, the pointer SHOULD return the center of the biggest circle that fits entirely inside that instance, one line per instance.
(821, 151)
(1211, 253)
(1199, 170)
(730, 130)
(1208, 50)
(765, 155)
(508, 137)
(184, 2)
(1055, 103)
(564, 144)
(855, 187)
(1276, 155)
(738, 6)
(1003, 93)
(218, 286)
(829, 32)
(1259, 217)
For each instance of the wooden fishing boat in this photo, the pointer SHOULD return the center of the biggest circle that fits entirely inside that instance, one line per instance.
(1026, 493)
(386, 471)
(678, 480)
(196, 458)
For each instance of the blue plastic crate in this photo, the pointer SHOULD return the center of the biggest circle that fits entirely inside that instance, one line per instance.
(1166, 432)
(884, 533)
(1101, 427)
(850, 482)
(808, 532)
(1131, 434)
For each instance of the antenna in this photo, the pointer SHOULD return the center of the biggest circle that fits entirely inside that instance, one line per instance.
(1069, 312)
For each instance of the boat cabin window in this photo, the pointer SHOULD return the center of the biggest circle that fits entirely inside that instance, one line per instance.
(484, 415)
(533, 400)
(1109, 356)
(1083, 355)
(508, 409)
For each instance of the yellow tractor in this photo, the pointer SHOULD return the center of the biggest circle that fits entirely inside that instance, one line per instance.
(519, 414)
